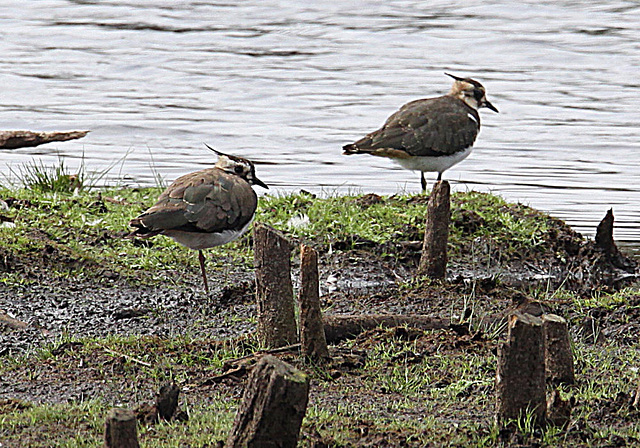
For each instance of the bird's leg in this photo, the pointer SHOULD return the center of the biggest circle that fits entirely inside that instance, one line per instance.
(204, 274)
(423, 182)
(439, 177)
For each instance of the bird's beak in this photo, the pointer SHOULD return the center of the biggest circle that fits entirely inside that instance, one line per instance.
(486, 103)
(257, 181)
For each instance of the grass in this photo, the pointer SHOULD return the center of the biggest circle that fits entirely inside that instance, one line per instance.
(352, 220)
(126, 366)
(86, 227)
(411, 389)
(82, 424)
(607, 300)
(415, 392)
(42, 178)
(74, 425)
(58, 178)
(86, 231)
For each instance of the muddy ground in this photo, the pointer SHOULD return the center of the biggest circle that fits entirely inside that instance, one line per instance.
(361, 278)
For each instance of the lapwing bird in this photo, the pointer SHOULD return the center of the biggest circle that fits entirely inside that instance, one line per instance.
(430, 134)
(204, 209)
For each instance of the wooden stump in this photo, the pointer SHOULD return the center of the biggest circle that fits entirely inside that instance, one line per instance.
(120, 430)
(165, 407)
(604, 234)
(558, 356)
(274, 290)
(433, 261)
(604, 241)
(312, 337)
(20, 139)
(520, 377)
(272, 408)
(167, 401)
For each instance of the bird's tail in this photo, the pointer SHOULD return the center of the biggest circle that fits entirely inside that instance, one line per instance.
(352, 148)
(140, 231)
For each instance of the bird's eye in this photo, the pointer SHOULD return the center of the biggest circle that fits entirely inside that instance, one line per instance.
(238, 169)
(478, 94)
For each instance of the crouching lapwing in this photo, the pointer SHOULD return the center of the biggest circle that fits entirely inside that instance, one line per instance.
(430, 134)
(204, 209)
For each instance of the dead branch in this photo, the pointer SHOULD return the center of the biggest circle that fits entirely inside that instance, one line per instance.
(22, 139)
(339, 327)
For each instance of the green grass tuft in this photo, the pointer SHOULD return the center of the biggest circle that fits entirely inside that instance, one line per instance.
(43, 178)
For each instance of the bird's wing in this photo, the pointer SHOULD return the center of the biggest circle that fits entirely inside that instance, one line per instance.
(428, 127)
(206, 201)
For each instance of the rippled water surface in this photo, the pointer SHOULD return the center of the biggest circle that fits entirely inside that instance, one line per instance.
(287, 84)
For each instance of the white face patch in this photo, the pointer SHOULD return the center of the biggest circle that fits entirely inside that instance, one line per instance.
(238, 167)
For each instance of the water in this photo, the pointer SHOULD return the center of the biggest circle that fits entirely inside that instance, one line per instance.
(287, 84)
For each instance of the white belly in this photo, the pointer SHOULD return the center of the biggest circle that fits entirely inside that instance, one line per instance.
(437, 164)
(199, 241)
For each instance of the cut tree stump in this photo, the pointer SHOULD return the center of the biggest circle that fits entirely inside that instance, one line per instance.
(433, 262)
(167, 401)
(312, 337)
(520, 377)
(604, 234)
(340, 327)
(274, 290)
(558, 355)
(273, 406)
(165, 407)
(22, 139)
(604, 241)
(120, 429)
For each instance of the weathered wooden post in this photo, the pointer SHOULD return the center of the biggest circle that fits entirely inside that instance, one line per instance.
(167, 401)
(520, 377)
(165, 407)
(120, 429)
(433, 262)
(604, 235)
(604, 241)
(312, 337)
(558, 356)
(274, 290)
(272, 408)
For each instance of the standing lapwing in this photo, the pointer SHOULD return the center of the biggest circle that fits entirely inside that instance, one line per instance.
(430, 134)
(204, 209)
